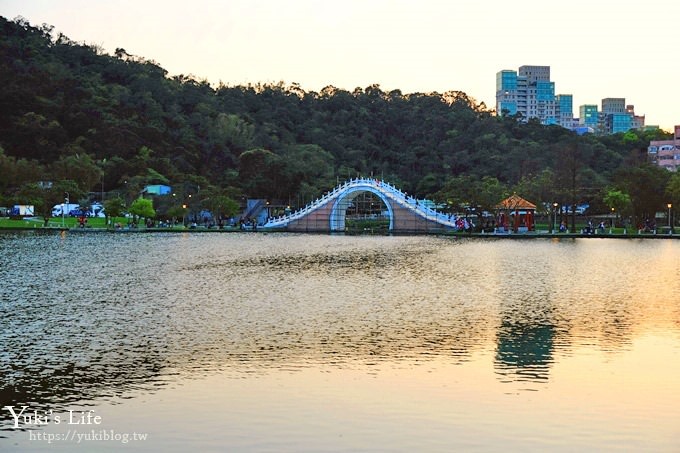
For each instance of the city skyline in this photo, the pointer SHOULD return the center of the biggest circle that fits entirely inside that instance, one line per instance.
(530, 93)
(595, 51)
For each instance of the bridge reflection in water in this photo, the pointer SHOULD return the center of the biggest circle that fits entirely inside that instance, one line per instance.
(328, 213)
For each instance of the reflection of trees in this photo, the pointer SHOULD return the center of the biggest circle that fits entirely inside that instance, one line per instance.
(56, 376)
(524, 350)
(72, 329)
(85, 330)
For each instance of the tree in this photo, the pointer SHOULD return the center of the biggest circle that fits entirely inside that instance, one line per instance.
(84, 204)
(673, 189)
(16, 172)
(428, 185)
(489, 192)
(619, 202)
(261, 173)
(113, 207)
(307, 164)
(570, 161)
(222, 206)
(176, 211)
(538, 189)
(143, 208)
(80, 168)
(463, 193)
(231, 130)
(646, 185)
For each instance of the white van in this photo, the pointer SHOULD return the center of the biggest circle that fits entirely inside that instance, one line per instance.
(65, 208)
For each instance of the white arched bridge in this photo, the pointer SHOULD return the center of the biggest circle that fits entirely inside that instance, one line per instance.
(406, 214)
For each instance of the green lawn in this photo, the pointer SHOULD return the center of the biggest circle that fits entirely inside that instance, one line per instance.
(56, 222)
(72, 222)
(96, 222)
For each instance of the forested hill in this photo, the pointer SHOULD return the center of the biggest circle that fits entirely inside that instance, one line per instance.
(69, 111)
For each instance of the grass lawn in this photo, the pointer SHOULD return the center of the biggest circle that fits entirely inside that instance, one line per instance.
(56, 222)
(70, 222)
(97, 222)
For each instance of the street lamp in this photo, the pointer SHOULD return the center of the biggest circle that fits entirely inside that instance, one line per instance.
(184, 210)
(670, 227)
(103, 163)
(64, 208)
(555, 211)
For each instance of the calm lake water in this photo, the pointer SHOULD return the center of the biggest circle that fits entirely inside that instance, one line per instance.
(276, 342)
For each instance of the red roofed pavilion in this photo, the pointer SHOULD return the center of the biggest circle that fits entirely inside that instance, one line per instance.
(516, 214)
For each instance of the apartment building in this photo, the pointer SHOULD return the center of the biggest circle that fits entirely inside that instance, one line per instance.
(666, 153)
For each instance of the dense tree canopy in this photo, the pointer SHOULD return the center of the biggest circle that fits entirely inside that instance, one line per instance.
(68, 111)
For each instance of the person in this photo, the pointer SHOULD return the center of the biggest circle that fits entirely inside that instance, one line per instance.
(563, 227)
(601, 227)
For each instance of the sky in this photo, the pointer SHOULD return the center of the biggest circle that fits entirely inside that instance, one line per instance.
(596, 48)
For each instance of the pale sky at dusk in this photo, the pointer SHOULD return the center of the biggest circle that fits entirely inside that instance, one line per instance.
(595, 48)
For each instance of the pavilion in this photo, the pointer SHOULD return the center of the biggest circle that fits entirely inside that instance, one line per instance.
(515, 214)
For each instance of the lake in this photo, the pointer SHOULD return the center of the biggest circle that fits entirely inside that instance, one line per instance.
(283, 342)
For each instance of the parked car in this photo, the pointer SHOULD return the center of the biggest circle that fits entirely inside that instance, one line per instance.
(79, 213)
(580, 208)
(75, 210)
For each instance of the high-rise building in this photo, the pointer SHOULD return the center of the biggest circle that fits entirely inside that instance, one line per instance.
(565, 110)
(616, 116)
(613, 105)
(507, 93)
(528, 92)
(588, 116)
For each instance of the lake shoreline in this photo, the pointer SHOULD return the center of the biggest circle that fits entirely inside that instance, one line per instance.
(539, 235)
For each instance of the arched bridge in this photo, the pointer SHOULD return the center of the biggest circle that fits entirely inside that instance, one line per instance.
(406, 214)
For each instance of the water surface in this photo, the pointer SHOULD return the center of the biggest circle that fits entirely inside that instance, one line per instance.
(276, 342)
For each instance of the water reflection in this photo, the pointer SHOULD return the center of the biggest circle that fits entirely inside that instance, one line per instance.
(524, 350)
(90, 318)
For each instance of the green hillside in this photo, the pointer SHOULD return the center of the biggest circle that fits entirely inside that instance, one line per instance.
(91, 122)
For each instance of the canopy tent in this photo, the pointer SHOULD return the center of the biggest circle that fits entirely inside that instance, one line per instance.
(516, 213)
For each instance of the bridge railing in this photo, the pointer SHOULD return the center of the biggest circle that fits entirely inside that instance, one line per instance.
(414, 204)
(388, 189)
(311, 206)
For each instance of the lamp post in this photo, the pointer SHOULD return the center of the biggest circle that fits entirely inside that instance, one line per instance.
(64, 208)
(184, 208)
(103, 163)
(190, 217)
(555, 211)
(670, 224)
